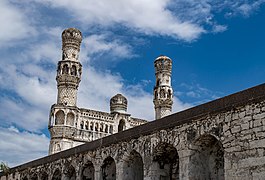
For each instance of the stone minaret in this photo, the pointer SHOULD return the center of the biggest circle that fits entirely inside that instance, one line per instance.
(64, 114)
(69, 68)
(163, 92)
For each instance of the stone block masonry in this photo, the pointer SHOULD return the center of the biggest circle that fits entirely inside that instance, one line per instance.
(222, 139)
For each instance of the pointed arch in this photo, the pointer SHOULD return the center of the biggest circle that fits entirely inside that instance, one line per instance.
(65, 69)
(73, 70)
(121, 125)
(70, 173)
(133, 167)
(165, 161)
(207, 161)
(57, 175)
(34, 177)
(44, 176)
(88, 171)
(70, 119)
(59, 118)
(108, 169)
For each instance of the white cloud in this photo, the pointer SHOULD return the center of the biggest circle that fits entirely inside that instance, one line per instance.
(146, 16)
(19, 147)
(97, 45)
(219, 28)
(14, 24)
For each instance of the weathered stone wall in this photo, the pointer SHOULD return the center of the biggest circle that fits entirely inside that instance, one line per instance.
(223, 139)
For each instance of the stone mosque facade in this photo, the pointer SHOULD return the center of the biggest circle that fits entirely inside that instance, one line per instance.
(221, 139)
(71, 126)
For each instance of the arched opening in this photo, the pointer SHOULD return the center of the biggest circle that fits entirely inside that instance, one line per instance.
(86, 126)
(101, 127)
(121, 125)
(96, 127)
(91, 126)
(106, 128)
(169, 94)
(65, 69)
(59, 118)
(207, 161)
(44, 176)
(111, 129)
(165, 162)
(34, 177)
(70, 173)
(82, 125)
(88, 171)
(73, 70)
(70, 119)
(56, 175)
(108, 169)
(133, 167)
(162, 93)
(24, 178)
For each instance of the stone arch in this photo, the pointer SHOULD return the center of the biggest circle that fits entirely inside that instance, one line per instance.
(65, 69)
(34, 177)
(165, 162)
(57, 175)
(44, 176)
(108, 169)
(73, 70)
(133, 167)
(70, 173)
(101, 127)
(82, 125)
(59, 118)
(88, 171)
(207, 159)
(169, 94)
(91, 126)
(70, 119)
(121, 125)
(106, 128)
(111, 129)
(86, 125)
(96, 126)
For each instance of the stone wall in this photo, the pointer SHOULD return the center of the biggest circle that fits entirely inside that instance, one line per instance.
(223, 139)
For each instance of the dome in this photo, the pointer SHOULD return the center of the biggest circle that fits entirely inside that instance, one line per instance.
(118, 103)
(72, 33)
(162, 57)
(163, 64)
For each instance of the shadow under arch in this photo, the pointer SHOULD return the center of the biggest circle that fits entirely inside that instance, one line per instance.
(165, 163)
(70, 173)
(108, 169)
(44, 176)
(88, 171)
(121, 125)
(57, 175)
(133, 167)
(207, 159)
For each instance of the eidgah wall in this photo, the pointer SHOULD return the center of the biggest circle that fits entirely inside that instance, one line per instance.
(222, 139)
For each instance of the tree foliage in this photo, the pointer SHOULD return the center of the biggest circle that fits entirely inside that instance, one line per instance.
(4, 168)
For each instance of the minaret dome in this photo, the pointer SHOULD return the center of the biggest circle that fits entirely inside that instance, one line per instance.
(118, 103)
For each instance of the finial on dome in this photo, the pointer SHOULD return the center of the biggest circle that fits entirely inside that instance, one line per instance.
(118, 103)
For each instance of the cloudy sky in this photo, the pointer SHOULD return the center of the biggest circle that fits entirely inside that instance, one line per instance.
(217, 48)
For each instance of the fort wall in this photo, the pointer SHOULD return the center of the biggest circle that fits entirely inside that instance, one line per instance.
(222, 139)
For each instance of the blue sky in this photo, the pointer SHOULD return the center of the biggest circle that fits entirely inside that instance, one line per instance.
(217, 48)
